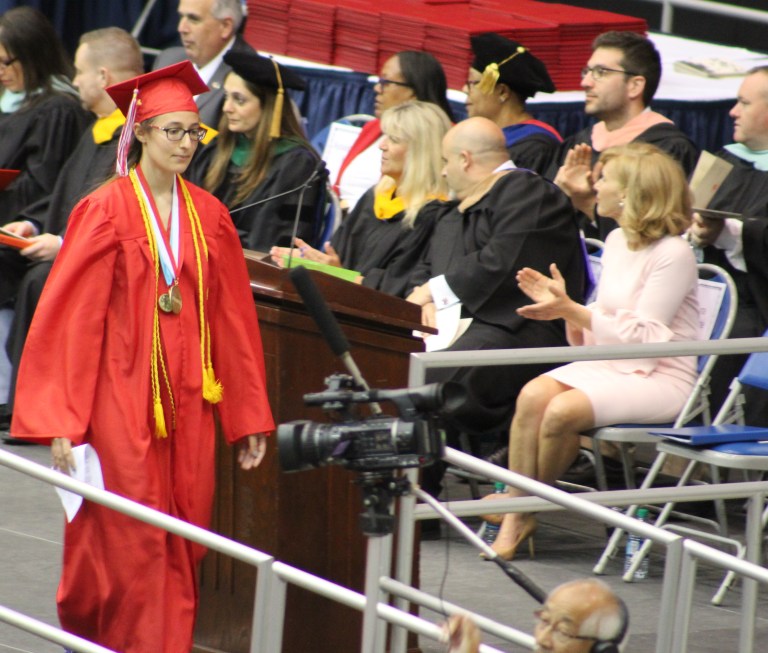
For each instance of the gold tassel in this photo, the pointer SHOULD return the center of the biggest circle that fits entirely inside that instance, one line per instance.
(277, 114)
(212, 388)
(160, 430)
(491, 74)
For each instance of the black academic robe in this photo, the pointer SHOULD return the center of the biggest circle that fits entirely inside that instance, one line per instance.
(22, 280)
(521, 220)
(383, 251)
(744, 191)
(666, 136)
(271, 221)
(37, 140)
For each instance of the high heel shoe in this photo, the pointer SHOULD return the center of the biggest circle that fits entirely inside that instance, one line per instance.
(494, 518)
(527, 531)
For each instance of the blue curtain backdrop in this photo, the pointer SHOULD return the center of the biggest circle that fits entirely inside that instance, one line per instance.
(331, 95)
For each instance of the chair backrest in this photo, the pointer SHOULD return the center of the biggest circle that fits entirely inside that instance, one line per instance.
(594, 249)
(718, 299)
(755, 370)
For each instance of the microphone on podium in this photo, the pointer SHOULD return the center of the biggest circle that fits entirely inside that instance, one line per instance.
(329, 328)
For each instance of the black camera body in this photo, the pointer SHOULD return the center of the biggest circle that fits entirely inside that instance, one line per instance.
(375, 444)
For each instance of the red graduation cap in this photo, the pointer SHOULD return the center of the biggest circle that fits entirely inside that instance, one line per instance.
(161, 91)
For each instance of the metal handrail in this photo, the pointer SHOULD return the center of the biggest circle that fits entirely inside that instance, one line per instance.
(271, 578)
(706, 6)
(679, 557)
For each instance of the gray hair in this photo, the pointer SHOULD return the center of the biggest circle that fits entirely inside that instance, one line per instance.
(234, 9)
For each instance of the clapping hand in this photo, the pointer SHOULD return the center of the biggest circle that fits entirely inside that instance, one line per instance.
(548, 294)
(576, 178)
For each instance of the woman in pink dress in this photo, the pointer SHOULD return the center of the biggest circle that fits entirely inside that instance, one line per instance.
(647, 293)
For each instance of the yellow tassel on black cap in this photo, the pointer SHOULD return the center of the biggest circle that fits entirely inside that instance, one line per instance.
(277, 114)
(491, 73)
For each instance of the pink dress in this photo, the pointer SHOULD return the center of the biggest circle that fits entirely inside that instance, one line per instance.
(648, 295)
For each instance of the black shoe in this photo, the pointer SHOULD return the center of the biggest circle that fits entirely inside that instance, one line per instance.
(10, 440)
(499, 457)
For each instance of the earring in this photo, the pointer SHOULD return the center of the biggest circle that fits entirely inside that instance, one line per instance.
(621, 204)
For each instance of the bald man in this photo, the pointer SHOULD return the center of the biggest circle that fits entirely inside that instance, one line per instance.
(503, 219)
(578, 614)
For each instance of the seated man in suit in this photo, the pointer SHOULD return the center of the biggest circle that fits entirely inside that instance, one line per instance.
(208, 30)
(504, 219)
(619, 82)
(103, 57)
(741, 246)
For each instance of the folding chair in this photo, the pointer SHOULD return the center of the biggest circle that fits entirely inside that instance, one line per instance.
(718, 300)
(749, 456)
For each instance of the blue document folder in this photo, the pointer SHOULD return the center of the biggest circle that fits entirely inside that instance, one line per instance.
(698, 436)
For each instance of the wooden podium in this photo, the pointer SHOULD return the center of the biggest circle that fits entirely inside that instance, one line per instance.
(307, 519)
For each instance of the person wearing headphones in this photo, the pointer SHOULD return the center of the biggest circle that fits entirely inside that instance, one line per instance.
(582, 616)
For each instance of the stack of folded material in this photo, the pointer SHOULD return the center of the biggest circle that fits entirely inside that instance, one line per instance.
(400, 30)
(267, 29)
(312, 30)
(362, 34)
(448, 34)
(578, 28)
(357, 35)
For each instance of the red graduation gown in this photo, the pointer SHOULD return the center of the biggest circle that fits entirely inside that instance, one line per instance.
(85, 375)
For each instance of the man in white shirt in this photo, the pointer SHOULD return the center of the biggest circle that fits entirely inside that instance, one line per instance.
(208, 29)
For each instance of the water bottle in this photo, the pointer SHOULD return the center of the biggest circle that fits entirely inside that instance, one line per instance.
(490, 530)
(634, 542)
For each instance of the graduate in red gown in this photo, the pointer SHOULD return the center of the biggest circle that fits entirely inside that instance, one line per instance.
(146, 328)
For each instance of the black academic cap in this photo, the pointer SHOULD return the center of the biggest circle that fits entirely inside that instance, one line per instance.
(516, 66)
(260, 71)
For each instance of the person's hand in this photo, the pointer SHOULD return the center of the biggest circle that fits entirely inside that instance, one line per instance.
(421, 295)
(61, 453)
(252, 453)
(44, 247)
(550, 299)
(704, 231)
(576, 178)
(462, 634)
(301, 250)
(20, 228)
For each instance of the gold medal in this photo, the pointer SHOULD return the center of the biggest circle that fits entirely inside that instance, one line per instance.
(164, 302)
(174, 297)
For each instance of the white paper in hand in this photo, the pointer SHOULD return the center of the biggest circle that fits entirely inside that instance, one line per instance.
(88, 470)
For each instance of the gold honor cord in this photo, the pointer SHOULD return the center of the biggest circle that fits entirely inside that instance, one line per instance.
(491, 73)
(212, 390)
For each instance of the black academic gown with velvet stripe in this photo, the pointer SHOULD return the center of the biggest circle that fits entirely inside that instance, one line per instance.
(744, 191)
(521, 221)
(37, 140)
(383, 251)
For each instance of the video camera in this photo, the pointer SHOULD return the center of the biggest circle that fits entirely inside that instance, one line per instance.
(374, 444)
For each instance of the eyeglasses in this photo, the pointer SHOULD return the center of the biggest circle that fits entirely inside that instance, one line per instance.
(5, 63)
(598, 72)
(177, 133)
(386, 82)
(558, 634)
